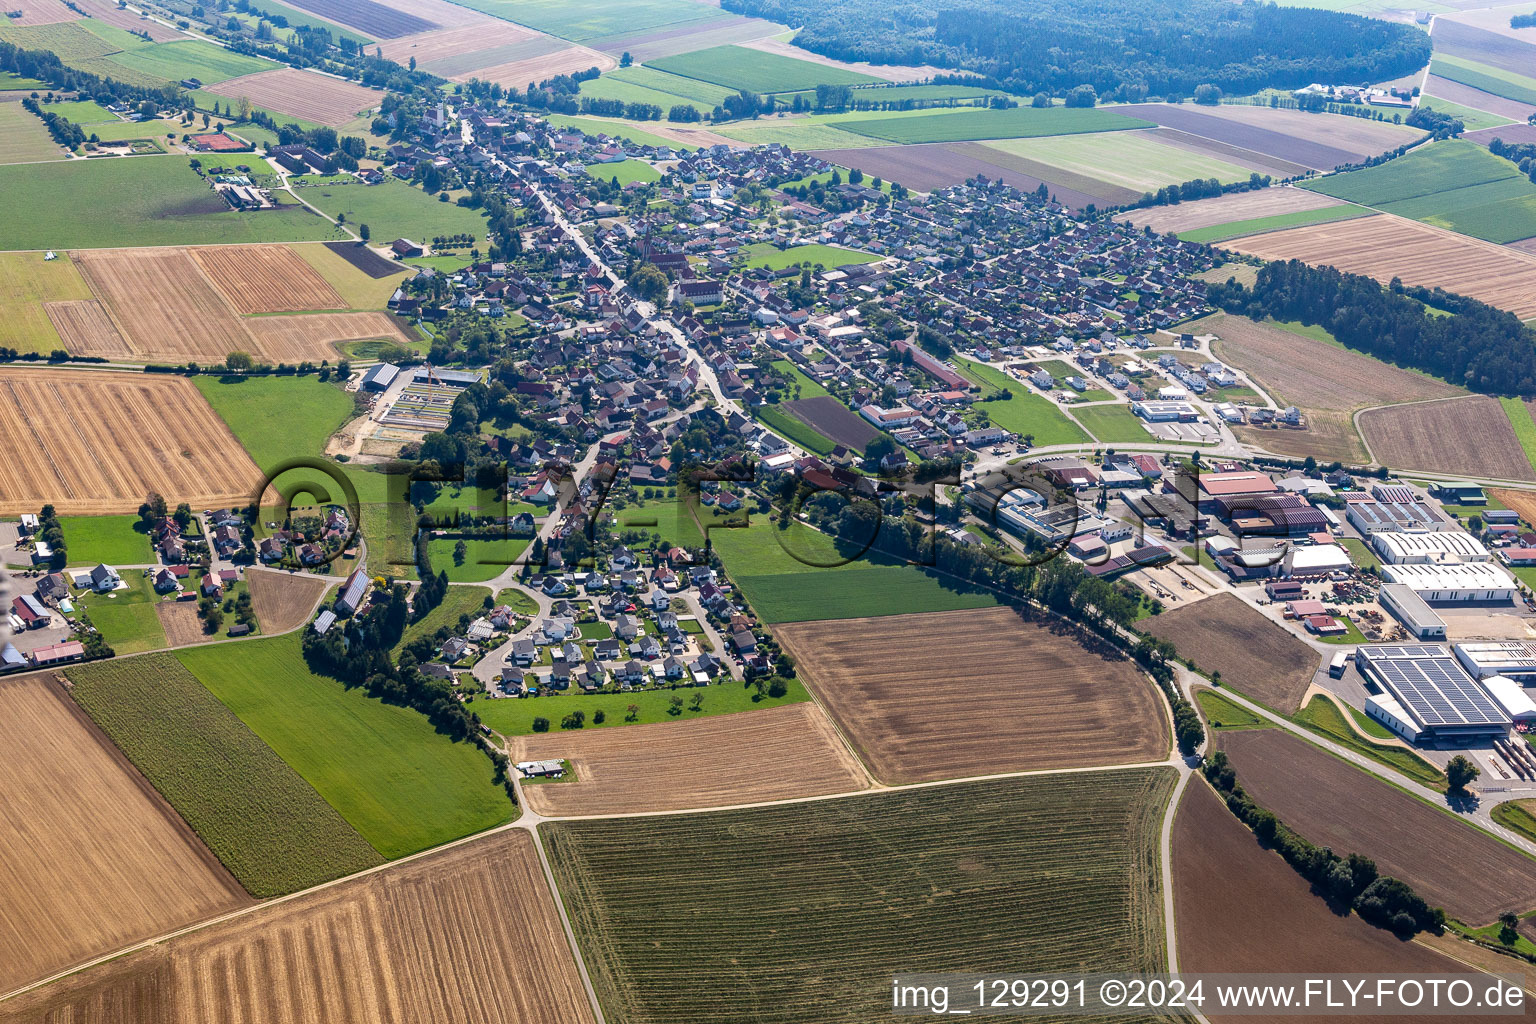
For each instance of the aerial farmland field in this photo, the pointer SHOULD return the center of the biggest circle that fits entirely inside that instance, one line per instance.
(967, 125)
(913, 720)
(141, 434)
(321, 99)
(394, 210)
(1133, 160)
(739, 67)
(1465, 435)
(814, 902)
(1334, 804)
(29, 284)
(269, 827)
(24, 138)
(93, 856)
(433, 940)
(706, 762)
(1256, 657)
(266, 279)
(589, 23)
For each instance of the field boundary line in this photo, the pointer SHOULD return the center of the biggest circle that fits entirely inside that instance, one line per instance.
(565, 920)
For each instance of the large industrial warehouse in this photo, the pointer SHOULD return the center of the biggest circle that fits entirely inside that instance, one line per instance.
(1453, 581)
(1426, 697)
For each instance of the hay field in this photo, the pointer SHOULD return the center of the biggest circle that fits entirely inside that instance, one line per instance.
(24, 138)
(469, 934)
(1256, 656)
(93, 442)
(266, 279)
(303, 337)
(1224, 881)
(1523, 502)
(180, 622)
(1386, 246)
(163, 305)
(798, 914)
(92, 858)
(941, 695)
(27, 281)
(750, 757)
(1334, 804)
(1326, 381)
(281, 600)
(519, 73)
(1470, 436)
(1236, 206)
(84, 326)
(304, 94)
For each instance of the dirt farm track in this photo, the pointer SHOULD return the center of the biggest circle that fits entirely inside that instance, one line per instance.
(92, 857)
(943, 695)
(470, 934)
(93, 442)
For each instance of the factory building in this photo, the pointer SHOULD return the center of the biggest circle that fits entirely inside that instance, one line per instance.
(1422, 693)
(1454, 581)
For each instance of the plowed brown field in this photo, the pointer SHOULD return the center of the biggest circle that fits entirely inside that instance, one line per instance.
(1464, 435)
(750, 757)
(312, 335)
(1385, 247)
(1224, 883)
(1334, 804)
(470, 934)
(85, 329)
(266, 278)
(95, 441)
(304, 94)
(1255, 656)
(281, 600)
(943, 695)
(92, 858)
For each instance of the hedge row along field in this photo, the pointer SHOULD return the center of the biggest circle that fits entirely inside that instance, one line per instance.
(799, 914)
(269, 827)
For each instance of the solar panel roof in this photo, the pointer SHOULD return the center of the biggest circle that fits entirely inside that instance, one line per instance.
(1431, 684)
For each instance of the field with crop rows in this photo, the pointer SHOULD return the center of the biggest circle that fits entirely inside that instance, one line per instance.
(739, 67)
(1029, 697)
(93, 859)
(321, 99)
(265, 279)
(282, 601)
(1468, 435)
(269, 827)
(1256, 657)
(967, 125)
(801, 912)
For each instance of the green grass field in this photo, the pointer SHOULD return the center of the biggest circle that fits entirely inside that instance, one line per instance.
(156, 200)
(484, 559)
(116, 540)
(667, 517)
(1026, 413)
(86, 113)
(766, 254)
(1519, 415)
(126, 618)
(808, 387)
(311, 411)
(1474, 119)
(458, 601)
(383, 767)
(191, 58)
(259, 817)
(1322, 716)
(1360, 553)
(1259, 225)
(70, 40)
(396, 210)
(1127, 159)
(797, 134)
(15, 83)
(802, 913)
(922, 93)
(616, 129)
(969, 126)
(26, 282)
(793, 429)
(1112, 424)
(648, 85)
(585, 23)
(513, 717)
(1223, 714)
(625, 171)
(1452, 184)
(1490, 79)
(741, 67)
(1516, 816)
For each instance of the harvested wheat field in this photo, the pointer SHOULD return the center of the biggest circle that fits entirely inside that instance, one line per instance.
(1522, 502)
(1236, 206)
(442, 44)
(1469, 436)
(163, 305)
(95, 441)
(943, 695)
(39, 12)
(92, 858)
(180, 622)
(1334, 804)
(1224, 883)
(519, 73)
(107, 12)
(266, 278)
(1327, 382)
(748, 757)
(1256, 657)
(1385, 247)
(282, 600)
(469, 934)
(304, 94)
(315, 335)
(84, 326)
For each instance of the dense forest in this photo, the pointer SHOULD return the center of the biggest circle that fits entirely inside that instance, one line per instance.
(1124, 50)
(1483, 348)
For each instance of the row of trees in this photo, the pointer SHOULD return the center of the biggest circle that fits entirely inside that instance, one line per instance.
(1482, 348)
